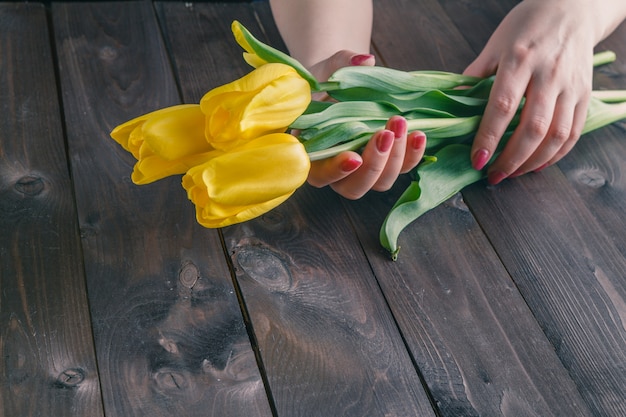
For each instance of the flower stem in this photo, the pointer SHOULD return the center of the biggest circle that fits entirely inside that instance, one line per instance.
(610, 96)
(336, 150)
(603, 58)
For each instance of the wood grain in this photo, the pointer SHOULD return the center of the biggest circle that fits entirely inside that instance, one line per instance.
(47, 360)
(596, 167)
(169, 333)
(449, 292)
(567, 260)
(326, 339)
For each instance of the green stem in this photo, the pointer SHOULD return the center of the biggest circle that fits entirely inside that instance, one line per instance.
(603, 58)
(336, 150)
(610, 96)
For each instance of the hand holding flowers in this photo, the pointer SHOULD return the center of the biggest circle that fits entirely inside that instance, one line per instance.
(239, 163)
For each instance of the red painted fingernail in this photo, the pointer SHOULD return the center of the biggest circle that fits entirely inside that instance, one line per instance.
(360, 59)
(384, 141)
(417, 140)
(480, 159)
(496, 177)
(397, 125)
(350, 164)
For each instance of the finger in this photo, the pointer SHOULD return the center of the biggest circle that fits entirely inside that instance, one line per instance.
(535, 121)
(415, 148)
(506, 94)
(580, 117)
(327, 171)
(375, 157)
(558, 135)
(395, 160)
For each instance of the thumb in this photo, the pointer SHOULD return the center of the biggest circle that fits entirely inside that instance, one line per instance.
(344, 58)
(481, 67)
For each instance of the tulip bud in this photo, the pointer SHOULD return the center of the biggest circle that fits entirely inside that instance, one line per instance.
(165, 142)
(267, 100)
(247, 181)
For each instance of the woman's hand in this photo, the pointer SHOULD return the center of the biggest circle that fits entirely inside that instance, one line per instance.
(388, 154)
(542, 51)
(391, 151)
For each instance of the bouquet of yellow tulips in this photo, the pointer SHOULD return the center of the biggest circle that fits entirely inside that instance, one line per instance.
(239, 161)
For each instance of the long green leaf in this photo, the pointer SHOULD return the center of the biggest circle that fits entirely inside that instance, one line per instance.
(438, 181)
(396, 81)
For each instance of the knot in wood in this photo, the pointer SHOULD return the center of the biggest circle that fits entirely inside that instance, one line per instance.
(592, 178)
(71, 377)
(457, 202)
(108, 53)
(30, 185)
(189, 275)
(265, 267)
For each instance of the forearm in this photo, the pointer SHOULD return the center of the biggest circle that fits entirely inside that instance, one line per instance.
(313, 30)
(611, 14)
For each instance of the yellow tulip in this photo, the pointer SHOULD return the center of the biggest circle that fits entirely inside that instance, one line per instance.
(165, 142)
(267, 100)
(247, 181)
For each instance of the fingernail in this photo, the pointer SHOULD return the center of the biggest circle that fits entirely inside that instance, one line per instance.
(350, 164)
(397, 125)
(357, 60)
(417, 140)
(481, 157)
(384, 141)
(495, 177)
(541, 168)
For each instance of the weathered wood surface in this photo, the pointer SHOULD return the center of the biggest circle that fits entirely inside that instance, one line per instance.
(513, 306)
(449, 276)
(169, 333)
(326, 338)
(569, 263)
(47, 361)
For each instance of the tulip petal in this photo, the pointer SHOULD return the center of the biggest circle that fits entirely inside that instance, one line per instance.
(247, 181)
(177, 133)
(267, 100)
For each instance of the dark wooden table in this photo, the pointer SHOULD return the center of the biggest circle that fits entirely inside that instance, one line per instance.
(507, 300)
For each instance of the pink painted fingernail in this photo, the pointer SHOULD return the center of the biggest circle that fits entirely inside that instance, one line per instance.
(495, 177)
(384, 141)
(357, 60)
(397, 125)
(541, 168)
(350, 164)
(480, 159)
(417, 140)
(517, 173)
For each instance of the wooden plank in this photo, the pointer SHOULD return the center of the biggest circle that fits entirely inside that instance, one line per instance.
(47, 360)
(408, 19)
(459, 311)
(476, 20)
(170, 337)
(327, 341)
(596, 167)
(569, 258)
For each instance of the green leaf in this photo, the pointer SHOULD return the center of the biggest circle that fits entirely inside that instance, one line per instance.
(395, 81)
(433, 100)
(438, 181)
(344, 112)
(601, 114)
(270, 54)
(319, 139)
